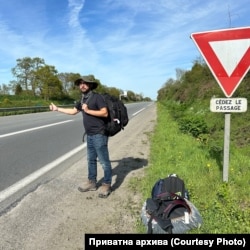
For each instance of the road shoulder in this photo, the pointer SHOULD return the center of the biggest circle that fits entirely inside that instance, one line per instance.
(56, 215)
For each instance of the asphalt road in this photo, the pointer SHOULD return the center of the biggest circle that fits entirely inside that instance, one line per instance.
(55, 215)
(34, 148)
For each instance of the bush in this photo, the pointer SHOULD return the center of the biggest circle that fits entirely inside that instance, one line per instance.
(193, 125)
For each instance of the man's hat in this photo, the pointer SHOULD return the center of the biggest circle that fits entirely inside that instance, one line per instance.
(87, 79)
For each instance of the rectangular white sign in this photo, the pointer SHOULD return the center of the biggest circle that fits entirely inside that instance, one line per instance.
(228, 105)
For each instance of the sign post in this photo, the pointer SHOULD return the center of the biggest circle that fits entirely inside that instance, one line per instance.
(227, 54)
(227, 105)
(226, 147)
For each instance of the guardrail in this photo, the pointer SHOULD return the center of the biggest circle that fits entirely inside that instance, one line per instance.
(22, 110)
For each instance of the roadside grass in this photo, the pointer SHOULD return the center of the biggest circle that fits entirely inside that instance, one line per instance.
(224, 206)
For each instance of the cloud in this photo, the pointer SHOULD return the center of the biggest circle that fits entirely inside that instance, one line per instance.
(132, 45)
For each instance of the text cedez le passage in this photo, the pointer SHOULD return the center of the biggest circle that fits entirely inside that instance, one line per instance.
(174, 242)
(228, 104)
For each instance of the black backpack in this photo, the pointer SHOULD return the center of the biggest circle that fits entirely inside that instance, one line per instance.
(168, 202)
(117, 114)
(172, 183)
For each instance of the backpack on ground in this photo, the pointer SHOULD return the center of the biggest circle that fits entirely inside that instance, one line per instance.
(172, 183)
(169, 209)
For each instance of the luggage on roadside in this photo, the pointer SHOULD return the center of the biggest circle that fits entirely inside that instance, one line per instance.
(169, 210)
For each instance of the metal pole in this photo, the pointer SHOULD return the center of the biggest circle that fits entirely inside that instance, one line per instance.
(226, 147)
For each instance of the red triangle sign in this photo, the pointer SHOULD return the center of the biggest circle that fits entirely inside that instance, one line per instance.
(227, 54)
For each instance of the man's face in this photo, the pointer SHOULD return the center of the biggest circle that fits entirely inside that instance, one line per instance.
(84, 87)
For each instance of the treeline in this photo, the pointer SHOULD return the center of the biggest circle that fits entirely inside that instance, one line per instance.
(198, 84)
(35, 78)
(188, 100)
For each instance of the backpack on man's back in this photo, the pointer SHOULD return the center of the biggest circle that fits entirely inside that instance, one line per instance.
(118, 115)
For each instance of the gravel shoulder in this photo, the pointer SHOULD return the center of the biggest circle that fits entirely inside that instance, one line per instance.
(56, 215)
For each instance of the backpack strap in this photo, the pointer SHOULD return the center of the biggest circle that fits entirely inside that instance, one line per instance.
(155, 210)
(91, 94)
(167, 196)
(166, 224)
(89, 97)
(150, 230)
(176, 203)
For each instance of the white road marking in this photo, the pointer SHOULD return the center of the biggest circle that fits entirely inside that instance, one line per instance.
(31, 129)
(138, 112)
(32, 177)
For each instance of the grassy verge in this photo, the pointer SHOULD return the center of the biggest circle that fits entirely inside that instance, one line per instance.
(224, 206)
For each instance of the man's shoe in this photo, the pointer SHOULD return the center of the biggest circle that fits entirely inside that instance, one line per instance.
(104, 190)
(89, 186)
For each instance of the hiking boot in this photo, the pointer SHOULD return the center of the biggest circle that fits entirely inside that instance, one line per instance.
(104, 190)
(89, 186)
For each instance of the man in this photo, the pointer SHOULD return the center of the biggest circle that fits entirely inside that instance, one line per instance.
(94, 118)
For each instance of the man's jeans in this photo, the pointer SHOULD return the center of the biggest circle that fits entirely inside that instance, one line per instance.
(97, 147)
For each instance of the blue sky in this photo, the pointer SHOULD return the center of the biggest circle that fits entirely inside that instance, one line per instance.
(132, 45)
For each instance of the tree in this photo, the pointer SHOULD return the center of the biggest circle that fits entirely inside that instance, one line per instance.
(131, 96)
(4, 90)
(67, 80)
(18, 89)
(47, 83)
(25, 72)
(179, 74)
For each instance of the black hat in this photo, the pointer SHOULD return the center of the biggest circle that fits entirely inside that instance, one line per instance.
(87, 79)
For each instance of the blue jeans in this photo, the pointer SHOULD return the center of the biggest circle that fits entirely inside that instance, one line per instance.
(97, 147)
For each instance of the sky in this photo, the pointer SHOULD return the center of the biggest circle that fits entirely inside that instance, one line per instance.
(134, 45)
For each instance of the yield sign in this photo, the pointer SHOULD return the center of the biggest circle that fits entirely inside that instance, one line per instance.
(227, 54)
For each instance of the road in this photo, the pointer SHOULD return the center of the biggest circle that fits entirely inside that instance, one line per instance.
(34, 148)
(56, 215)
